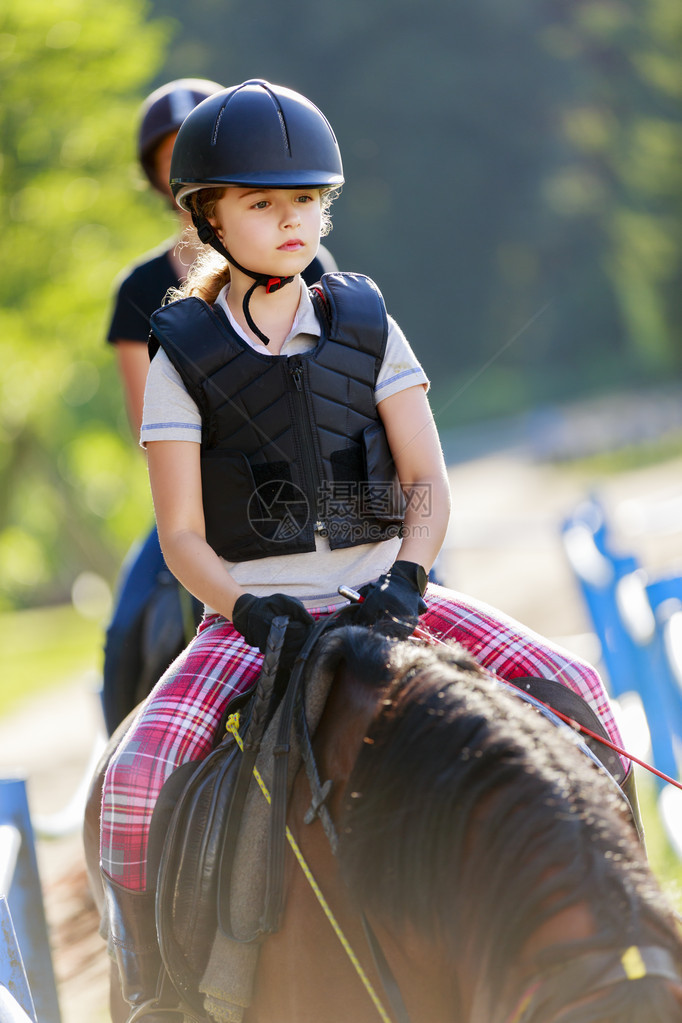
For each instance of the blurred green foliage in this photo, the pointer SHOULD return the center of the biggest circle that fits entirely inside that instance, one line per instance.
(43, 649)
(73, 488)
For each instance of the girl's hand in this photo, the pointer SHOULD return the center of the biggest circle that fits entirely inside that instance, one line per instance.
(252, 617)
(394, 602)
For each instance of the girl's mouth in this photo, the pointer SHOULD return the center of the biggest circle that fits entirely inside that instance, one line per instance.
(291, 246)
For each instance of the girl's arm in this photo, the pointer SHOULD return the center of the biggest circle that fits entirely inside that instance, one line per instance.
(416, 450)
(175, 477)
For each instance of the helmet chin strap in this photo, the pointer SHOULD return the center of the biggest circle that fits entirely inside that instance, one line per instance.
(271, 284)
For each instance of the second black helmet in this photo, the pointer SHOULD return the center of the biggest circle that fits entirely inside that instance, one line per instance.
(163, 112)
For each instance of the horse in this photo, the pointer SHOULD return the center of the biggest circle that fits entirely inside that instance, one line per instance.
(482, 869)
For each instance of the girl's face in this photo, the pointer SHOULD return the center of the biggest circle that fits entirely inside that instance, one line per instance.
(273, 231)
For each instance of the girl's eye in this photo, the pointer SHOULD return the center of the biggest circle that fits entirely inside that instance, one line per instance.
(304, 198)
(262, 204)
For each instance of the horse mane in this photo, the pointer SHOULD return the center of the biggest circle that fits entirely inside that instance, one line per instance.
(471, 820)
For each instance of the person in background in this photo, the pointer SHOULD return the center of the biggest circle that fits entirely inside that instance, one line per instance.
(140, 289)
(135, 656)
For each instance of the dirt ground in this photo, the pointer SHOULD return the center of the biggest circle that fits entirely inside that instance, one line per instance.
(504, 547)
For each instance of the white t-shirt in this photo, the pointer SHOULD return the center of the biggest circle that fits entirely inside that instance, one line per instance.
(171, 414)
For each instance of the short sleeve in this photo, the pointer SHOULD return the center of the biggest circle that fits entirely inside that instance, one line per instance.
(400, 368)
(169, 412)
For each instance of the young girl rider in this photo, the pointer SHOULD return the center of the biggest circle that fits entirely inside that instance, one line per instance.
(140, 290)
(270, 412)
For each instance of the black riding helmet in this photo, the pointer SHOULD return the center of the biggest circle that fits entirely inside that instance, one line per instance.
(255, 134)
(163, 112)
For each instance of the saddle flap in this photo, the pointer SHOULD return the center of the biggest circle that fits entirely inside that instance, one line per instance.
(207, 810)
(216, 869)
(564, 700)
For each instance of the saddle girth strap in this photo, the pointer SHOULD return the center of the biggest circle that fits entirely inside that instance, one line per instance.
(319, 792)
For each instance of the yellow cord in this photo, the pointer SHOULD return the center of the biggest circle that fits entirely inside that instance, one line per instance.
(232, 726)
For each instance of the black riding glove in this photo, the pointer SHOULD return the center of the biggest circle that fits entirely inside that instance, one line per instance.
(252, 617)
(394, 602)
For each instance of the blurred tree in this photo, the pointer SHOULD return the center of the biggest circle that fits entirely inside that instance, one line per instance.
(629, 126)
(613, 192)
(72, 73)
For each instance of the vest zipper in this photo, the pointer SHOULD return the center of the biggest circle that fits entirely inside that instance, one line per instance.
(308, 445)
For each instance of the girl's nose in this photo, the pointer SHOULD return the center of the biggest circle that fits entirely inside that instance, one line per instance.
(292, 217)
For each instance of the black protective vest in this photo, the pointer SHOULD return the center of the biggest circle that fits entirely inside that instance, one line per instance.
(290, 445)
